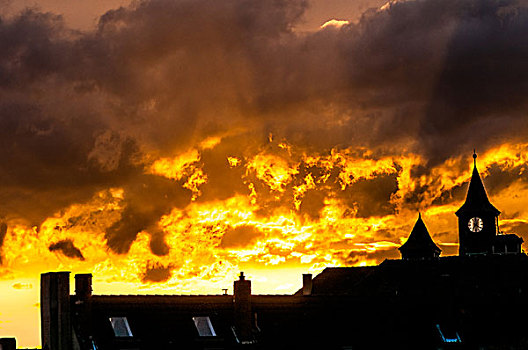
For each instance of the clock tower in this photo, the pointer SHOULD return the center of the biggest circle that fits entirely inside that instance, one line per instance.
(477, 219)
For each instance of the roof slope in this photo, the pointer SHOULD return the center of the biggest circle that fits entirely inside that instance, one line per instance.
(338, 280)
(419, 239)
(477, 199)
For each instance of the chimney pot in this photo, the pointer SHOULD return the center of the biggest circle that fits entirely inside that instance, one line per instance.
(83, 285)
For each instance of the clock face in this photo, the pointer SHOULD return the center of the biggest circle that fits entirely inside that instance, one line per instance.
(475, 224)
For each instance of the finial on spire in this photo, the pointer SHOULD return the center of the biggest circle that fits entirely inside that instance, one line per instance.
(474, 158)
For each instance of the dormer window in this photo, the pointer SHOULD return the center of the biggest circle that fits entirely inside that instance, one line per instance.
(120, 326)
(204, 326)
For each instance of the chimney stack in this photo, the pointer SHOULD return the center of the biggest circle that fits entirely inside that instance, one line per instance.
(7, 344)
(83, 285)
(307, 284)
(56, 329)
(242, 301)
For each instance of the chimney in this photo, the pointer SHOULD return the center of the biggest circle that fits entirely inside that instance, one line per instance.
(7, 343)
(242, 301)
(307, 284)
(83, 285)
(55, 310)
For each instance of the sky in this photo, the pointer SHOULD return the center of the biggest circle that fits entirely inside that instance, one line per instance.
(167, 145)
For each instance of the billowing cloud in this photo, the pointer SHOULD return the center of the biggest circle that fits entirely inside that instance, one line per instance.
(184, 138)
(157, 273)
(67, 248)
(240, 236)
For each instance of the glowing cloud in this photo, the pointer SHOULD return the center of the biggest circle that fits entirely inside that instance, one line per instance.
(337, 23)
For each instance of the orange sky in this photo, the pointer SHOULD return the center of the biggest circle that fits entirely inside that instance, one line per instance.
(165, 146)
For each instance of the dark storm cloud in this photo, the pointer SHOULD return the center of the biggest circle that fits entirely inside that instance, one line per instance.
(157, 273)
(496, 178)
(147, 198)
(372, 196)
(448, 73)
(312, 203)
(79, 110)
(67, 248)
(482, 88)
(240, 236)
(48, 129)
(225, 181)
(158, 246)
(84, 111)
(500, 177)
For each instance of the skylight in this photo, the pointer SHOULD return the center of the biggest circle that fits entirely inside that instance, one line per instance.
(204, 327)
(455, 338)
(120, 326)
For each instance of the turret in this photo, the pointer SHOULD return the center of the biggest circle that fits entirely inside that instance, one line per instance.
(419, 245)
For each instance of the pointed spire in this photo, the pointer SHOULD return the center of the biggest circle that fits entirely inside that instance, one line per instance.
(419, 245)
(477, 198)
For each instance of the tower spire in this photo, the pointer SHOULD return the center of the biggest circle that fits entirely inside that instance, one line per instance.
(476, 198)
(419, 245)
(477, 218)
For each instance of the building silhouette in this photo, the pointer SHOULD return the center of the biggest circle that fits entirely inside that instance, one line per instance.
(476, 300)
(478, 223)
(419, 245)
(478, 228)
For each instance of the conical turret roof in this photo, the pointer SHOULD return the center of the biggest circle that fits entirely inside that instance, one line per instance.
(477, 198)
(419, 239)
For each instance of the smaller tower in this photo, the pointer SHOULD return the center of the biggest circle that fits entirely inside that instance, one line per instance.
(419, 245)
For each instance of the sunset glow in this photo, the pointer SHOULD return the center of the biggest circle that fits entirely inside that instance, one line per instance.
(167, 156)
